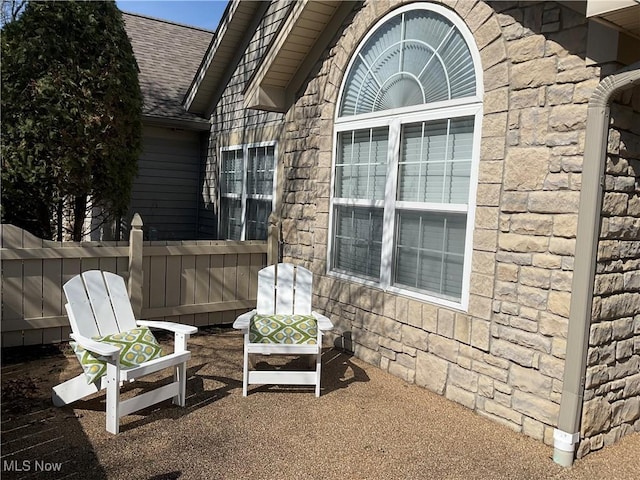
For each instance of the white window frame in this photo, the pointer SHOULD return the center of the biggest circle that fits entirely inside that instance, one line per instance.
(244, 196)
(394, 119)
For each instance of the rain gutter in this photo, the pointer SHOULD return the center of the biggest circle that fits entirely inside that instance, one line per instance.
(567, 435)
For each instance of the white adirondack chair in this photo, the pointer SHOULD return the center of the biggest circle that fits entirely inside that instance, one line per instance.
(283, 289)
(98, 305)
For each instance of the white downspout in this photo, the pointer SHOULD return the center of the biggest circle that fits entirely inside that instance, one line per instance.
(595, 150)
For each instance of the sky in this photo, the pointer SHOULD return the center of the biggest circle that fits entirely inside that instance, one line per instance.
(199, 13)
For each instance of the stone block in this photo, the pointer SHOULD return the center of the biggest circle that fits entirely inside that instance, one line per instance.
(414, 315)
(463, 378)
(487, 218)
(484, 240)
(553, 325)
(429, 317)
(553, 202)
(532, 340)
(502, 411)
(507, 272)
(494, 124)
(496, 76)
(565, 118)
(512, 242)
(526, 168)
(530, 380)
(483, 262)
(546, 260)
(534, 73)
(462, 331)
(527, 48)
(559, 302)
(491, 371)
(480, 306)
(560, 94)
(443, 347)
(514, 202)
(535, 407)
(366, 354)
(431, 372)
(533, 126)
(414, 337)
(487, 33)
(531, 224)
(596, 417)
(510, 351)
(461, 396)
(445, 323)
(565, 225)
(533, 297)
(534, 277)
(493, 54)
(480, 334)
(400, 371)
(551, 366)
(481, 285)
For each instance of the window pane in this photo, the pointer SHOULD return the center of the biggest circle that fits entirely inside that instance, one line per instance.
(430, 252)
(231, 172)
(357, 245)
(435, 161)
(258, 212)
(260, 170)
(230, 219)
(414, 58)
(361, 167)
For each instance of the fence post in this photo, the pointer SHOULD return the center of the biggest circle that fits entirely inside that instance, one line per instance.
(135, 265)
(273, 240)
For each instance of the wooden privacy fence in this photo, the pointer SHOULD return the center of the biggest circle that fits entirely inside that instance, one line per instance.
(194, 282)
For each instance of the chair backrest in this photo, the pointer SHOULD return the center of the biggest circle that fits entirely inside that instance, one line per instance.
(98, 304)
(284, 289)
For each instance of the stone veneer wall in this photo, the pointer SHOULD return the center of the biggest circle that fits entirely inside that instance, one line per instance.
(612, 390)
(503, 358)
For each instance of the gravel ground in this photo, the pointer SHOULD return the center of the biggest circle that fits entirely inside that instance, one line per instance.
(366, 425)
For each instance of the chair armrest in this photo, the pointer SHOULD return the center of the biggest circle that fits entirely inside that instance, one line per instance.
(103, 349)
(323, 322)
(242, 322)
(172, 327)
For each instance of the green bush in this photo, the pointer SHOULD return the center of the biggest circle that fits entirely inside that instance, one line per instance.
(71, 115)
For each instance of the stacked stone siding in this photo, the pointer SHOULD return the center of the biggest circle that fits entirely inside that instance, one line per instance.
(612, 387)
(504, 357)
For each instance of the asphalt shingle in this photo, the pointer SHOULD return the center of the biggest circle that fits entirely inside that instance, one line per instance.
(168, 56)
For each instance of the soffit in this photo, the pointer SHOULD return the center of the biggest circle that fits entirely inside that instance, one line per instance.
(300, 42)
(624, 14)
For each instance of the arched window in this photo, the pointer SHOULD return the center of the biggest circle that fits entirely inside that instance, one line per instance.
(405, 163)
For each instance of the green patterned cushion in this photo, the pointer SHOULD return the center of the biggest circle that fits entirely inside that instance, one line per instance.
(137, 346)
(287, 329)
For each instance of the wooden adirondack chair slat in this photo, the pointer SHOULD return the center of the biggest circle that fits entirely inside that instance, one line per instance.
(98, 305)
(283, 289)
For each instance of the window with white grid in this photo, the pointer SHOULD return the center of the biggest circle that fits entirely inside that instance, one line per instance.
(406, 157)
(247, 174)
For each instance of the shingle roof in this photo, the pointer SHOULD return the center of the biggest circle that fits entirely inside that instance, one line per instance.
(168, 56)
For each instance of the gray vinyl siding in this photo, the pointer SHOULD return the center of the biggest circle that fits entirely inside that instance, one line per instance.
(230, 117)
(165, 193)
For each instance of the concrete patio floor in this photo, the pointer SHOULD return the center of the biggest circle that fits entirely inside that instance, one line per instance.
(366, 425)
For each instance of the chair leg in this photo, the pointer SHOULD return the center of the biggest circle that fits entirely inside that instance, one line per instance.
(113, 397)
(318, 367)
(245, 372)
(180, 376)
